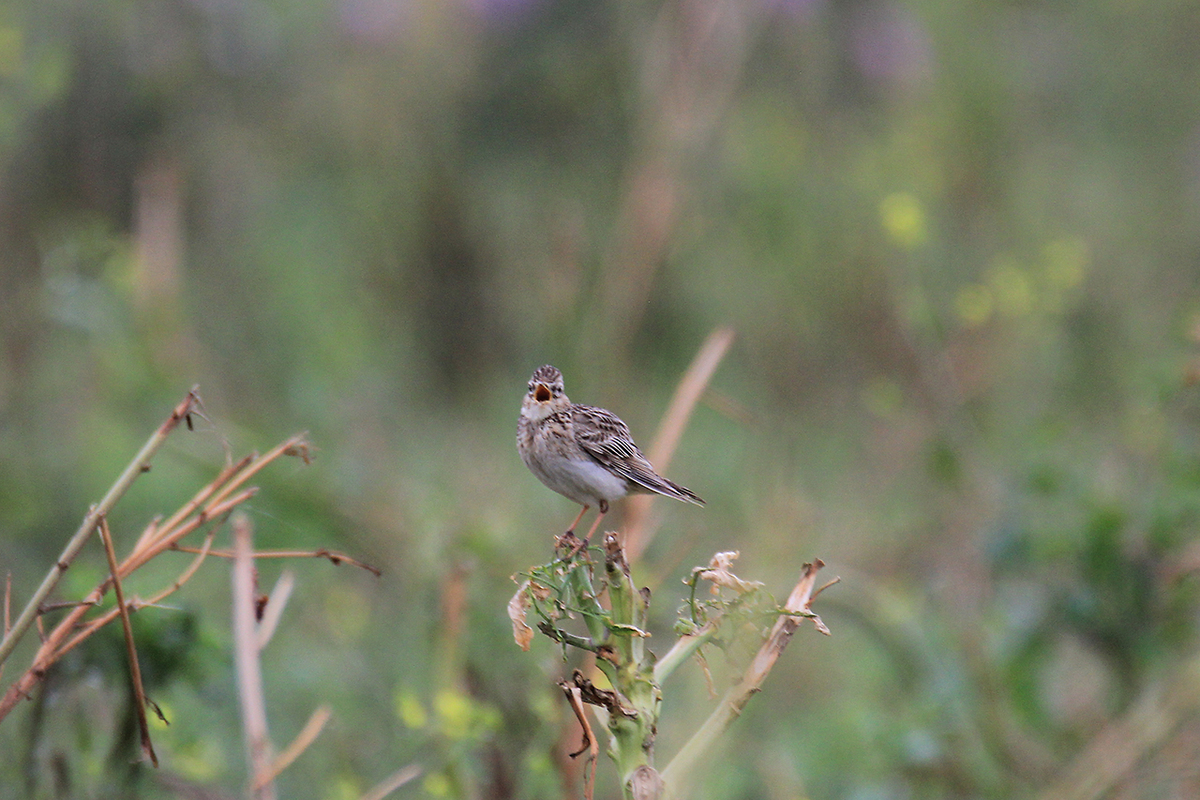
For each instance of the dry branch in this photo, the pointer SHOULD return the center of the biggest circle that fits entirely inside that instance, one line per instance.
(589, 745)
(90, 627)
(334, 557)
(139, 464)
(246, 662)
(307, 735)
(393, 782)
(683, 403)
(680, 770)
(207, 508)
(276, 602)
(135, 669)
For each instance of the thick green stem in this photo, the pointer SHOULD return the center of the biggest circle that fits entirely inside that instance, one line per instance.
(632, 733)
(683, 649)
(579, 580)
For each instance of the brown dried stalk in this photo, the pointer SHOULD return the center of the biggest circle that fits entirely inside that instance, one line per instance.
(135, 669)
(333, 556)
(393, 782)
(680, 770)
(246, 661)
(251, 635)
(72, 629)
(139, 464)
(687, 394)
(86, 629)
(589, 745)
(307, 735)
(209, 507)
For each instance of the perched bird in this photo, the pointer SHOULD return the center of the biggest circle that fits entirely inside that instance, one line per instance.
(584, 453)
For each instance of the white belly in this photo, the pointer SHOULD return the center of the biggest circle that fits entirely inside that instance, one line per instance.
(582, 480)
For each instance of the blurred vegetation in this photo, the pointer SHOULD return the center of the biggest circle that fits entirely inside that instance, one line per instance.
(959, 244)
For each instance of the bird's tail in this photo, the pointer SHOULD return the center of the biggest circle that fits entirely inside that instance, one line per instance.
(660, 485)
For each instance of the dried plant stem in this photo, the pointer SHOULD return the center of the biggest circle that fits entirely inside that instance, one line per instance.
(135, 670)
(589, 745)
(139, 464)
(333, 556)
(135, 604)
(246, 662)
(165, 538)
(154, 530)
(307, 735)
(677, 774)
(294, 446)
(209, 507)
(687, 394)
(393, 782)
(53, 647)
(275, 605)
(84, 630)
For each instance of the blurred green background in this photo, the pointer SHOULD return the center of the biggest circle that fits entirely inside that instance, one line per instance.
(959, 244)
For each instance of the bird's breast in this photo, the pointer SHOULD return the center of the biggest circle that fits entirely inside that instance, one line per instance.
(550, 452)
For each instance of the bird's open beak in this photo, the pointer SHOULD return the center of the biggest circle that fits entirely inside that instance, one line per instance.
(541, 393)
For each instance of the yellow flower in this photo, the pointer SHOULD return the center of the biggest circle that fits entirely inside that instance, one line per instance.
(903, 219)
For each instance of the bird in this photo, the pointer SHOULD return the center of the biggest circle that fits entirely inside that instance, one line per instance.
(584, 453)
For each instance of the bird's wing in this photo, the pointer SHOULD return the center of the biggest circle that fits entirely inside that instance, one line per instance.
(603, 436)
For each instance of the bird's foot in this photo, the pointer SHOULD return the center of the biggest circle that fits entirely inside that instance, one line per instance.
(570, 544)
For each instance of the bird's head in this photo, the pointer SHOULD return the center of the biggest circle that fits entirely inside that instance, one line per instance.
(546, 394)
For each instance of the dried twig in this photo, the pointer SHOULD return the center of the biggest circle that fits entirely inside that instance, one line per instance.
(139, 464)
(209, 507)
(393, 782)
(687, 395)
(135, 670)
(297, 446)
(246, 661)
(575, 699)
(307, 735)
(156, 527)
(795, 610)
(165, 537)
(87, 629)
(276, 602)
(333, 556)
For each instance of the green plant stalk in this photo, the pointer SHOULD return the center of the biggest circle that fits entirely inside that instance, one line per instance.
(139, 464)
(682, 650)
(583, 596)
(631, 729)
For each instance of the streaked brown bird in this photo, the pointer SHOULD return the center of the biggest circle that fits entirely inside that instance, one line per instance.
(584, 453)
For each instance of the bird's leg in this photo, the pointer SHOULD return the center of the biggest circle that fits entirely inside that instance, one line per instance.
(583, 543)
(582, 511)
(568, 539)
(596, 524)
